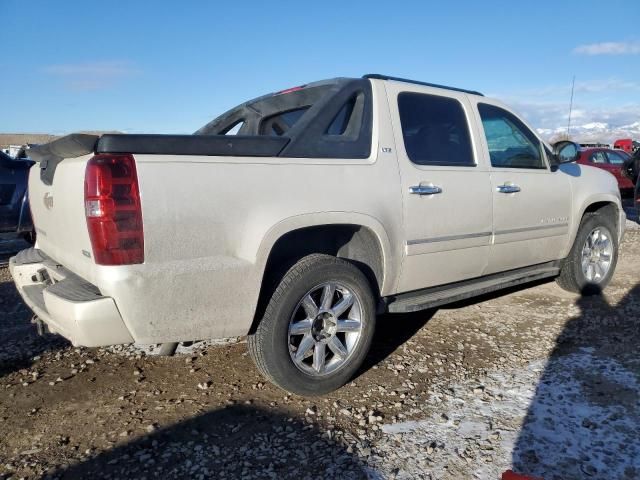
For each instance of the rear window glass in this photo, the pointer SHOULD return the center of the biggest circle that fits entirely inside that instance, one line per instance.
(277, 125)
(435, 130)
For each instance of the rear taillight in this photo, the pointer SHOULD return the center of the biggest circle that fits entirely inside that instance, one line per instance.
(113, 210)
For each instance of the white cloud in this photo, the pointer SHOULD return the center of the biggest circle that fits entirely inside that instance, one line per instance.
(92, 75)
(551, 118)
(610, 85)
(609, 48)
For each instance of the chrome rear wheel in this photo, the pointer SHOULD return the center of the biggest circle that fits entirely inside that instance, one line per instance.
(317, 327)
(325, 329)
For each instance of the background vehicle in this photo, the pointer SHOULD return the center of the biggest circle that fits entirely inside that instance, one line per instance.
(626, 144)
(15, 215)
(335, 200)
(609, 160)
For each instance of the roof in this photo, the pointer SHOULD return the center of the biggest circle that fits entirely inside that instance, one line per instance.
(378, 76)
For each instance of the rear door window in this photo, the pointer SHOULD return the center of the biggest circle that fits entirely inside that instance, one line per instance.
(511, 144)
(435, 130)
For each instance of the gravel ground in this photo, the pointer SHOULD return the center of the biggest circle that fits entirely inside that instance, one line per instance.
(534, 379)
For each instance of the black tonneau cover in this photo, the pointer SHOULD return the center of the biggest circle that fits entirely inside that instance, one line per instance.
(211, 145)
(77, 144)
(310, 137)
(51, 154)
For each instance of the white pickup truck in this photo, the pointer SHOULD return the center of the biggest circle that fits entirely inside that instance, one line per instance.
(297, 217)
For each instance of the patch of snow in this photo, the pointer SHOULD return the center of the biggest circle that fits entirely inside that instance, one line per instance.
(578, 416)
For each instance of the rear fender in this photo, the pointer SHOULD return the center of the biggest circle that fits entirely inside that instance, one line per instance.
(390, 268)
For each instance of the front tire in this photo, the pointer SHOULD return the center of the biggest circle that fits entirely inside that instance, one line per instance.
(317, 327)
(592, 260)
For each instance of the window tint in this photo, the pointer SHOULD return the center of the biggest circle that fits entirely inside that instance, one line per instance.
(435, 130)
(277, 125)
(511, 143)
(598, 157)
(615, 158)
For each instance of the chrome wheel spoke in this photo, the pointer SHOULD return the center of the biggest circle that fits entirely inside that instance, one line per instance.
(585, 263)
(301, 327)
(348, 325)
(336, 346)
(305, 345)
(343, 305)
(319, 354)
(310, 307)
(328, 292)
(599, 270)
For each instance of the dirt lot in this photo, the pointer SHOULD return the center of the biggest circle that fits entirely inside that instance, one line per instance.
(533, 379)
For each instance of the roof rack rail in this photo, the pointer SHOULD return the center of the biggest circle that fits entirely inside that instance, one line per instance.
(406, 80)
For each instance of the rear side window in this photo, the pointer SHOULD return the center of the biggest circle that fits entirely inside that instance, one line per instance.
(511, 144)
(435, 130)
(615, 158)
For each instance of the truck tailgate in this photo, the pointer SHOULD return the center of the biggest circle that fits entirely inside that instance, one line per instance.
(56, 192)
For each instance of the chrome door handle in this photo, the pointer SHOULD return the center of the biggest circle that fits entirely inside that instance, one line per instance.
(508, 188)
(425, 189)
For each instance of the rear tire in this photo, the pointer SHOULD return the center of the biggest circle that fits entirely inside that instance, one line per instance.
(317, 327)
(592, 260)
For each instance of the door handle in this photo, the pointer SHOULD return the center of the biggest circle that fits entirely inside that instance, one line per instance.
(508, 188)
(429, 189)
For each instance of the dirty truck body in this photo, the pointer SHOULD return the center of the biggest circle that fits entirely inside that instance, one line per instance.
(387, 194)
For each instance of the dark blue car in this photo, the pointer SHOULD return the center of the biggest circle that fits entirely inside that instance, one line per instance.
(15, 215)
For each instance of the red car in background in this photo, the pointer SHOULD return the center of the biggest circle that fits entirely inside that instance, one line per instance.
(609, 160)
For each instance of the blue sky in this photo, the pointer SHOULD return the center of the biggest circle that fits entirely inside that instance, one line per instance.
(169, 67)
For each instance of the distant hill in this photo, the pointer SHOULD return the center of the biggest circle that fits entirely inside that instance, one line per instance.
(593, 132)
(7, 139)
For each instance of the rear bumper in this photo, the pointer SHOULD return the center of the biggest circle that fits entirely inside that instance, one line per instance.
(68, 305)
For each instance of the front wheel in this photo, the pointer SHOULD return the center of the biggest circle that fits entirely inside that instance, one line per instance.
(317, 327)
(590, 265)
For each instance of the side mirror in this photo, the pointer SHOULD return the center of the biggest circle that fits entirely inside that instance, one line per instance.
(566, 151)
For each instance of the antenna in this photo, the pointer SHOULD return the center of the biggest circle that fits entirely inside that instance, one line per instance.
(573, 84)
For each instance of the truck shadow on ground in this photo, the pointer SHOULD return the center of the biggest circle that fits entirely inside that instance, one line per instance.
(234, 442)
(394, 330)
(633, 214)
(19, 340)
(583, 419)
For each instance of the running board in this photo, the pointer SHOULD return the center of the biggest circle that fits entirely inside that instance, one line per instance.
(454, 292)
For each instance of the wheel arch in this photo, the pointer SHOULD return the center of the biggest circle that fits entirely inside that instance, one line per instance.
(358, 238)
(608, 204)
